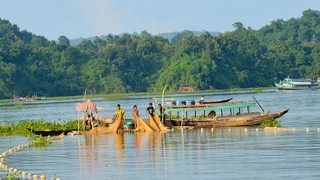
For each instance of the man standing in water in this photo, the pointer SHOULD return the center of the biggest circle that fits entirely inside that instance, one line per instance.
(135, 114)
(150, 110)
(161, 113)
(119, 114)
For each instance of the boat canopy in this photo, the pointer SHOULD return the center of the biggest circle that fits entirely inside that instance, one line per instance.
(87, 106)
(210, 107)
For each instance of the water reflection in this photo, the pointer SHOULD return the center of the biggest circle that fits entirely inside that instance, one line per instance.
(153, 141)
(120, 145)
(139, 139)
(87, 153)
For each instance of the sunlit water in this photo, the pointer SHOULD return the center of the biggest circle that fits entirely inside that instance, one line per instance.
(229, 153)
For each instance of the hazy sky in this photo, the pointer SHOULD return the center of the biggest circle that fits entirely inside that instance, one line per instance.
(85, 18)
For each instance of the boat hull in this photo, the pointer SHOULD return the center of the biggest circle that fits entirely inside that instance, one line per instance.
(297, 88)
(291, 87)
(251, 119)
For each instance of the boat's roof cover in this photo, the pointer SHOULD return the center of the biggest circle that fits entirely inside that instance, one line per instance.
(87, 106)
(210, 107)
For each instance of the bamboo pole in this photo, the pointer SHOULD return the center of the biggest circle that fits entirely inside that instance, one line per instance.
(84, 96)
(162, 113)
(78, 122)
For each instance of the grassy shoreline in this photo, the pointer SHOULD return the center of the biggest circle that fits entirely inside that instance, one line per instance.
(119, 96)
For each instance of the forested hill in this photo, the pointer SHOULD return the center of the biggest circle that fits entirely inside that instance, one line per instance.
(31, 64)
(171, 36)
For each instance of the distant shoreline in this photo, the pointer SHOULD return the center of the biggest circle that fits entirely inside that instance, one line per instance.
(121, 96)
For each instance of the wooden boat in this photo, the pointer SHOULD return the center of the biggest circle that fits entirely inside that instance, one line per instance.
(50, 132)
(229, 114)
(220, 101)
(193, 102)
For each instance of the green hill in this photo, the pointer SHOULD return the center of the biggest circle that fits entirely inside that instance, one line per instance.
(244, 58)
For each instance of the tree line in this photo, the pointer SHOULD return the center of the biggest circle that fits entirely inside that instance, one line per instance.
(242, 58)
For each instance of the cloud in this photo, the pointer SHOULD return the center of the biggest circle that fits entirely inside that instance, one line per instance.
(103, 16)
(119, 16)
(154, 16)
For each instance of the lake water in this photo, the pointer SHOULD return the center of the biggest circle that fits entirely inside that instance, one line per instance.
(221, 153)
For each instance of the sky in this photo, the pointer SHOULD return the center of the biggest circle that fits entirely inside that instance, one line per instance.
(89, 18)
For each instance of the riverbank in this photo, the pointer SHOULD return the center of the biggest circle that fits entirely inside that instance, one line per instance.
(123, 96)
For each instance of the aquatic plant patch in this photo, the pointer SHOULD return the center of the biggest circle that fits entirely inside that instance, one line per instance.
(21, 127)
(270, 123)
(42, 141)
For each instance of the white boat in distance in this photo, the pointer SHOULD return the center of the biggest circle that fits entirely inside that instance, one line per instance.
(297, 84)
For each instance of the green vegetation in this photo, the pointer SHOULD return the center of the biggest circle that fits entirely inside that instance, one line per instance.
(173, 116)
(5, 100)
(202, 116)
(41, 141)
(257, 90)
(9, 177)
(177, 128)
(242, 58)
(116, 97)
(21, 127)
(19, 106)
(270, 123)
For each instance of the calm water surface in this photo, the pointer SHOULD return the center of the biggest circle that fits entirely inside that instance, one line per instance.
(230, 153)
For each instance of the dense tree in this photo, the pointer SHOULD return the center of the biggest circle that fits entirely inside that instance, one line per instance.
(181, 35)
(63, 41)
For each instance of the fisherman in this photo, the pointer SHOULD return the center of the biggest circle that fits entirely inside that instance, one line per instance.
(212, 114)
(161, 114)
(88, 122)
(93, 121)
(150, 109)
(119, 113)
(135, 114)
(92, 117)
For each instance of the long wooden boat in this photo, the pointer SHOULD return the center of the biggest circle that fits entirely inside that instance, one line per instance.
(229, 114)
(50, 132)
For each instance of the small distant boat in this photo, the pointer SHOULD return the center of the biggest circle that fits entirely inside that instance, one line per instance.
(24, 99)
(220, 101)
(297, 84)
(195, 102)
